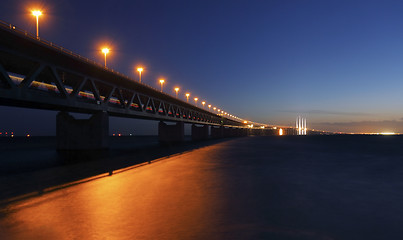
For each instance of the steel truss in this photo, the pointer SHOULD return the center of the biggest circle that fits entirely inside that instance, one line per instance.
(34, 75)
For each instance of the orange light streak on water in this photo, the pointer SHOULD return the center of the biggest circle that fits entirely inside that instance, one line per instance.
(172, 199)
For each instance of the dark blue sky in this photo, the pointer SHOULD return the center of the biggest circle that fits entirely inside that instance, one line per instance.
(339, 63)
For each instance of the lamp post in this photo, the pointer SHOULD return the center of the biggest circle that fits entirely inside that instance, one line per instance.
(140, 69)
(176, 91)
(162, 81)
(196, 100)
(105, 51)
(209, 107)
(187, 97)
(37, 13)
(203, 103)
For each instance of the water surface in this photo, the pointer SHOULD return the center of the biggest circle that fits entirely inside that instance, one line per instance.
(319, 187)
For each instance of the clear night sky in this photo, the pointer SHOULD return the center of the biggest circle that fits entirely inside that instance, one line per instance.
(338, 63)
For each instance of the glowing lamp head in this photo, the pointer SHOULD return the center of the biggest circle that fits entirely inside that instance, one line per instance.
(209, 106)
(162, 81)
(187, 94)
(203, 103)
(36, 13)
(245, 122)
(139, 69)
(105, 50)
(196, 99)
(176, 89)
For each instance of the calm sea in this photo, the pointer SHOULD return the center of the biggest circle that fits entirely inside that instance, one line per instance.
(290, 187)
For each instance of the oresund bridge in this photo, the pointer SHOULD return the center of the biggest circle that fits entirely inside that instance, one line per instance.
(35, 73)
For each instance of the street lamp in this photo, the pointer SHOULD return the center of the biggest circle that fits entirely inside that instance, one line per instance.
(37, 13)
(196, 100)
(187, 97)
(105, 51)
(203, 103)
(176, 91)
(214, 108)
(162, 83)
(140, 69)
(209, 106)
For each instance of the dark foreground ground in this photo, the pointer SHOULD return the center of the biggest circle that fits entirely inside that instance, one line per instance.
(315, 187)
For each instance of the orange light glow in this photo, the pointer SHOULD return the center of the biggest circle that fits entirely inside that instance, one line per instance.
(139, 69)
(280, 132)
(176, 91)
(37, 13)
(105, 51)
(162, 81)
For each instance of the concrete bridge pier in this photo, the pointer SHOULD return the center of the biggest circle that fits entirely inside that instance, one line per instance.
(229, 132)
(243, 132)
(171, 133)
(217, 132)
(200, 133)
(82, 134)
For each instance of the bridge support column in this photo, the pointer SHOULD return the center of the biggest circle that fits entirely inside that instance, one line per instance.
(244, 132)
(200, 133)
(82, 134)
(217, 132)
(228, 132)
(171, 133)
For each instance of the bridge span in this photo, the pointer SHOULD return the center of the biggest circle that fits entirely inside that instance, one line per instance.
(36, 73)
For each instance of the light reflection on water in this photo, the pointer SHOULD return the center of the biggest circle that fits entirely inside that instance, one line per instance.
(165, 200)
(247, 188)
